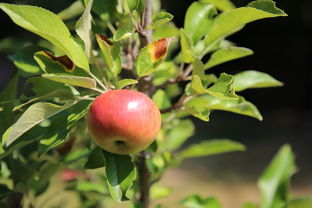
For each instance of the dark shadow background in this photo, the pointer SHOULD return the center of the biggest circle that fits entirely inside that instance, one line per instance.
(282, 48)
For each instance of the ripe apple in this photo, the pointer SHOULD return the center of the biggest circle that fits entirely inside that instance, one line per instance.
(123, 121)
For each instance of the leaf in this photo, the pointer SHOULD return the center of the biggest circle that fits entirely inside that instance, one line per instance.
(254, 79)
(223, 5)
(85, 82)
(164, 72)
(125, 82)
(211, 147)
(227, 54)
(61, 94)
(150, 56)
(25, 62)
(188, 54)
(158, 192)
(274, 181)
(78, 112)
(111, 53)
(96, 159)
(198, 19)
(160, 19)
(41, 86)
(167, 30)
(50, 27)
(178, 134)
(125, 28)
(83, 27)
(120, 174)
(228, 22)
(55, 135)
(72, 11)
(52, 64)
(303, 202)
(240, 106)
(249, 205)
(161, 99)
(223, 89)
(197, 201)
(35, 114)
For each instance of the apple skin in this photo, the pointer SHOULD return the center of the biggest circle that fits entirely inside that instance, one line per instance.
(123, 121)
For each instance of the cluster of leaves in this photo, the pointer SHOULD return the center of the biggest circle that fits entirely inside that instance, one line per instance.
(43, 127)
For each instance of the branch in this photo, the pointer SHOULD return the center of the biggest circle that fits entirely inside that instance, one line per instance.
(145, 85)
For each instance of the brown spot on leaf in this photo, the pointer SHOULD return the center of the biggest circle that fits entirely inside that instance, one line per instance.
(159, 49)
(105, 39)
(63, 60)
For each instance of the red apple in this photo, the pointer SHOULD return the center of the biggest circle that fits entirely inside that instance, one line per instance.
(123, 121)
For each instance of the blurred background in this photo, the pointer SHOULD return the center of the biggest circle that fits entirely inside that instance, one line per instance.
(283, 48)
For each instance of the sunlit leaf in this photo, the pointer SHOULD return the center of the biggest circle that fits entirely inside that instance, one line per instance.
(254, 79)
(160, 19)
(187, 50)
(35, 114)
(72, 11)
(85, 82)
(49, 26)
(240, 106)
(125, 82)
(83, 27)
(158, 192)
(223, 5)
(227, 54)
(274, 181)
(197, 201)
(150, 56)
(120, 173)
(229, 22)
(198, 19)
(125, 28)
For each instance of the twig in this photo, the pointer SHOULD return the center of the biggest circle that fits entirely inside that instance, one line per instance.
(144, 180)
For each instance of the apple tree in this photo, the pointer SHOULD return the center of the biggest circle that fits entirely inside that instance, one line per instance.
(80, 80)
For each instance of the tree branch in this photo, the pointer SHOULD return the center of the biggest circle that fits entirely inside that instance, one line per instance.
(145, 85)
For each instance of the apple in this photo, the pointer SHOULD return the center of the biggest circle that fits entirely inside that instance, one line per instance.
(123, 121)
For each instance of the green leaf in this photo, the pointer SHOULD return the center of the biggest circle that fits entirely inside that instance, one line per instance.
(274, 181)
(125, 28)
(167, 30)
(120, 174)
(211, 147)
(125, 82)
(229, 22)
(89, 187)
(160, 19)
(96, 159)
(161, 99)
(35, 114)
(303, 202)
(198, 19)
(197, 201)
(72, 11)
(52, 64)
(227, 54)
(178, 134)
(223, 5)
(111, 53)
(54, 136)
(158, 192)
(223, 89)
(254, 79)
(61, 94)
(164, 72)
(151, 56)
(249, 205)
(240, 106)
(25, 62)
(78, 112)
(50, 27)
(85, 82)
(83, 27)
(188, 54)
(41, 86)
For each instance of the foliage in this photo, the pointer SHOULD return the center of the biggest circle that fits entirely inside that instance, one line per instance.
(122, 44)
